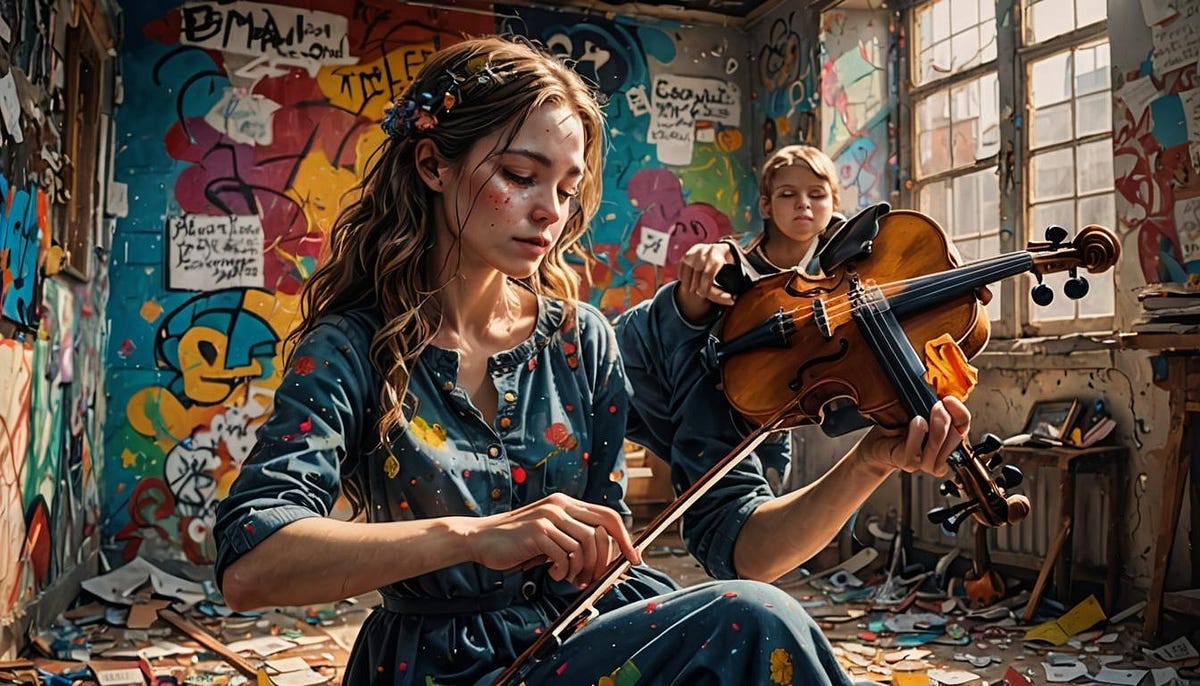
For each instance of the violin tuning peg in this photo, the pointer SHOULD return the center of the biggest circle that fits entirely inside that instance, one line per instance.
(1076, 287)
(1056, 234)
(987, 445)
(950, 517)
(948, 488)
(1042, 295)
(994, 461)
(1010, 477)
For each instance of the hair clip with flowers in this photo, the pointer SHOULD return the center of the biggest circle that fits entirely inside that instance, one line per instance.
(419, 112)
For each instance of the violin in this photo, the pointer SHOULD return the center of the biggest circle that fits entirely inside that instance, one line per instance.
(793, 343)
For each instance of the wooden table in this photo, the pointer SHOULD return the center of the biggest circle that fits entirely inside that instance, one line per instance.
(1179, 375)
(1107, 460)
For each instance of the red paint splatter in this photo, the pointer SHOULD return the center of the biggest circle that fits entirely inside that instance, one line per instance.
(569, 348)
(518, 475)
(561, 668)
(249, 527)
(612, 409)
(532, 365)
(304, 366)
(403, 667)
(730, 594)
(570, 408)
(736, 627)
(651, 607)
(306, 425)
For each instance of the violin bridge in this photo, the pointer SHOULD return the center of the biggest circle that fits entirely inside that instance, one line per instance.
(821, 318)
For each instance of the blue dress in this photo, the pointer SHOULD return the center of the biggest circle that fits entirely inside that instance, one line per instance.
(564, 406)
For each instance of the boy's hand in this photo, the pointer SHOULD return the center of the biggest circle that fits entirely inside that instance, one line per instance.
(698, 290)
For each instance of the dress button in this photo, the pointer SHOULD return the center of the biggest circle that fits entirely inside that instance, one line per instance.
(497, 494)
(510, 396)
(448, 386)
(505, 422)
(494, 450)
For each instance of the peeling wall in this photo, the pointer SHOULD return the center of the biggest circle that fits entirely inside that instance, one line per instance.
(51, 325)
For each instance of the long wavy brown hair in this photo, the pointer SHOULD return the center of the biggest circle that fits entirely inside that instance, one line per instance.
(379, 243)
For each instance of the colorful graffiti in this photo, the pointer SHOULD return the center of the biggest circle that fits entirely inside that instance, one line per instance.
(23, 217)
(855, 103)
(1152, 167)
(227, 129)
(622, 57)
(787, 106)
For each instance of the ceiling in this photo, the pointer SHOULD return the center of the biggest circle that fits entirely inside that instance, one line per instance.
(732, 8)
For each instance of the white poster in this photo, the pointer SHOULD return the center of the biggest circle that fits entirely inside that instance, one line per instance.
(1187, 226)
(212, 253)
(678, 102)
(652, 246)
(283, 35)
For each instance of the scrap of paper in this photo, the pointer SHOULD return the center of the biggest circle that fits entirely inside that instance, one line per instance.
(1082, 617)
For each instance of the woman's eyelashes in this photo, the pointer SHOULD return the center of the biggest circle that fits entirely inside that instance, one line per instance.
(564, 195)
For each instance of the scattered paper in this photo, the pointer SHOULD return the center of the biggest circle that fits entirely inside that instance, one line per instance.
(1176, 43)
(952, 678)
(119, 677)
(1064, 673)
(1180, 649)
(304, 678)
(143, 614)
(117, 585)
(262, 646)
(10, 107)
(5, 31)
(1128, 677)
(1164, 675)
(1057, 632)
(288, 664)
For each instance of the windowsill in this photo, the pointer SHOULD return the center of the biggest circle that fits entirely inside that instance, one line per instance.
(1092, 350)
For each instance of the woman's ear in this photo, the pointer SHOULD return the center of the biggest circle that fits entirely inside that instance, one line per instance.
(429, 165)
(764, 206)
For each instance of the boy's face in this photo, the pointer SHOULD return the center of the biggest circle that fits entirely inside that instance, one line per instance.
(513, 201)
(800, 205)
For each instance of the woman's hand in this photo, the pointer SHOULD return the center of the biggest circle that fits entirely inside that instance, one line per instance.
(578, 539)
(926, 444)
(698, 290)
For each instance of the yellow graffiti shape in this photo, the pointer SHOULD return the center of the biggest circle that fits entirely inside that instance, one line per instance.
(206, 378)
(318, 189)
(366, 87)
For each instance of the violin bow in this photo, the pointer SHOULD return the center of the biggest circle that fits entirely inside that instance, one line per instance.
(582, 609)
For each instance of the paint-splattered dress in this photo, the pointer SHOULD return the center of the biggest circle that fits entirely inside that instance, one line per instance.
(559, 427)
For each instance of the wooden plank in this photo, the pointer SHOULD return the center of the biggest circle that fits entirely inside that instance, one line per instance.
(1044, 575)
(201, 636)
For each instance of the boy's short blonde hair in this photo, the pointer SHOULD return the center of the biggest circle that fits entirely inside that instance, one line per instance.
(794, 155)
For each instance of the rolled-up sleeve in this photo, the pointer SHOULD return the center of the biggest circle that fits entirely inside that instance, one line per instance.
(679, 412)
(294, 470)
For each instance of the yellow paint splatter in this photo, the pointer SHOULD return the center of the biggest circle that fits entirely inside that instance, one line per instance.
(128, 458)
(433, 435)
(150, 311)
(391, 466)
(781, 666)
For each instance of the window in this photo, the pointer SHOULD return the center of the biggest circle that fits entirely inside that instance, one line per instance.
(1050, 62)
(956, 125)
(1069, 181)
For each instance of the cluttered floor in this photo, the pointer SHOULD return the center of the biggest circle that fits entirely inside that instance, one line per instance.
(883, 628)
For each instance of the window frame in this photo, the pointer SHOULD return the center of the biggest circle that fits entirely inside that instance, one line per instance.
(1011, 161)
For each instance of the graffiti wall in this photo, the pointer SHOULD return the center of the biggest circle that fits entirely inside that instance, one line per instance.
(858, 82)
(51, 393)
(228, 144)
(1156, 148)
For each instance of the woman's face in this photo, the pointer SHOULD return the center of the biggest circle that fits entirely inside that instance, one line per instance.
(800, 205)
(512, 199)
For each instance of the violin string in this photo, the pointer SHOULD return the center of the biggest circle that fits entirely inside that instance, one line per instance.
(836, 308)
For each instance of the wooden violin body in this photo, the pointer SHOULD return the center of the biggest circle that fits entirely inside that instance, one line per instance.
(759, 382)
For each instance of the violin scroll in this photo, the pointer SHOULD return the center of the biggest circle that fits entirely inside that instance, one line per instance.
(986, 499)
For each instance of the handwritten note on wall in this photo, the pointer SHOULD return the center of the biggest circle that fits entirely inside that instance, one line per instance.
(277, 34)
(1177, 43)
(678, 102)
(213, 253)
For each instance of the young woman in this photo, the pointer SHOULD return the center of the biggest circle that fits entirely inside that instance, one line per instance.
(473, 411)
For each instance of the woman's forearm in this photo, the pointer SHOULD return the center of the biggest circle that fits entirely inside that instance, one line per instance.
(788, 531)
(319, 560)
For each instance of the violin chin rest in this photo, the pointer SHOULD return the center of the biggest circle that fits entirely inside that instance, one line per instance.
(1018, 508)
